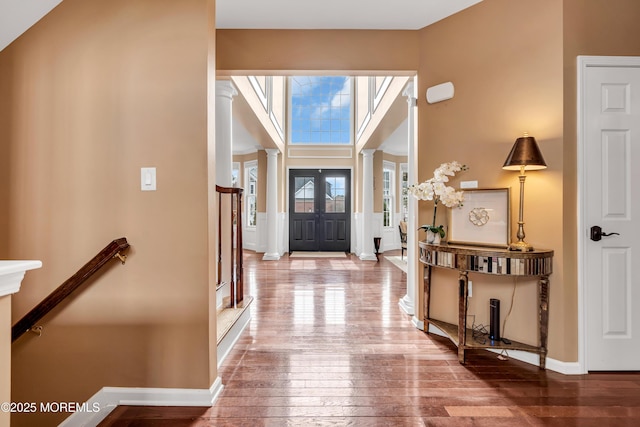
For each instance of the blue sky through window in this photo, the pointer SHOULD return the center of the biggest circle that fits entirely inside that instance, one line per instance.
(321, 110)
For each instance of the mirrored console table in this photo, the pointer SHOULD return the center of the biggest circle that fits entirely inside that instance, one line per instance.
(485, 260)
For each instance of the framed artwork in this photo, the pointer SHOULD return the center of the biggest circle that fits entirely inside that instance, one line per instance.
(483, 219)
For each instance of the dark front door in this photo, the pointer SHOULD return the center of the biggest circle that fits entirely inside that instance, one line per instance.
(320, 210)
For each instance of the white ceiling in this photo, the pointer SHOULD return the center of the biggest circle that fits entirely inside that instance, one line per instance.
(17, 16)
(335, 14)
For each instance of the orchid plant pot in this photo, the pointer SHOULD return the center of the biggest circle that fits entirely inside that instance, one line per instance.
(433, 237)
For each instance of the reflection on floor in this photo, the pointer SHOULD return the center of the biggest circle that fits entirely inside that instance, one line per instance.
(304, 254)
(329, 346)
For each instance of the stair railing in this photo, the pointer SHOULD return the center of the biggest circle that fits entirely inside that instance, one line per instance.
(236, 290)
(115, 249)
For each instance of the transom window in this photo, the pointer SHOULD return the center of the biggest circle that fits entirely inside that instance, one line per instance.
(321, 110)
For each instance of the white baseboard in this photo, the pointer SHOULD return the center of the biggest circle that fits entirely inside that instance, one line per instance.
(108, 398)
(419, 324)
(566, 368)
(233, 335)
(406, 305)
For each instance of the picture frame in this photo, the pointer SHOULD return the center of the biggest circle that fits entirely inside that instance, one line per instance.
(484, 219)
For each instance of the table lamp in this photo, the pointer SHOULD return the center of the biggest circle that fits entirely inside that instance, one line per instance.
(524, 156)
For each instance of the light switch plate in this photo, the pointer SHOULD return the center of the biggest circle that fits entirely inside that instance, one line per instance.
(469, 184)
(148, 179)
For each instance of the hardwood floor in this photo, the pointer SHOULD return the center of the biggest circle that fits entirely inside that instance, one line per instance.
(329, 346)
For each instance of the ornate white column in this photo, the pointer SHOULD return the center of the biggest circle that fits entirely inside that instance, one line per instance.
(408, 302)
(272, 253)
(225, 91)
(366, 252)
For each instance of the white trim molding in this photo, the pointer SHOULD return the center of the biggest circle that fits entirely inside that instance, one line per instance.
(321, 152)
(584, 62)
(566, 368)
(12, 273)
(107, 399)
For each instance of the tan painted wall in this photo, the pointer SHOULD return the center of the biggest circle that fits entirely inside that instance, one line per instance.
(5, 356)
(377, 181)
(295, 50)
(95, 91)
(261, 202)
(591, 27)
(505, 60)
(5, 165)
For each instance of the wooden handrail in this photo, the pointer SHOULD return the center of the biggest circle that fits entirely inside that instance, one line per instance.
(112, 250)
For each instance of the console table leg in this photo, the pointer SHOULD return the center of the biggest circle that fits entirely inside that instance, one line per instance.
(543, 300)
(426, 279)
(462, 315)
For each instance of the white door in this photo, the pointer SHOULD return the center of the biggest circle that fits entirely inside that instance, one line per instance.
(610, 146)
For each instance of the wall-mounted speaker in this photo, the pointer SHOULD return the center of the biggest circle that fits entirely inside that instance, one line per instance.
(440, 92)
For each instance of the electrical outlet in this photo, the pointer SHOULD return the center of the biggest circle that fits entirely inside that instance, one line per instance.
(470, 288)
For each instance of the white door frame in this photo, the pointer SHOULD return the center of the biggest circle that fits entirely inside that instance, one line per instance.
(583, 63)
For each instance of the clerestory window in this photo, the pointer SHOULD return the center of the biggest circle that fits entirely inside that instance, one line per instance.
(321, 110)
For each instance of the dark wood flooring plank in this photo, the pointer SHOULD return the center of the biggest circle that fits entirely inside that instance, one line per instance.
(328, 346)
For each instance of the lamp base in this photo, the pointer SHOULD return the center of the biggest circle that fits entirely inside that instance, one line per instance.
(521, 246)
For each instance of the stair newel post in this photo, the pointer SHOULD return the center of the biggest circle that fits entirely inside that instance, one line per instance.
(219, 237)
(239, 267)
(232, 285)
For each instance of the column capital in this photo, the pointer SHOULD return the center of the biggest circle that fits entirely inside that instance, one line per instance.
(226, 88)
(368, 152)
(272, 152)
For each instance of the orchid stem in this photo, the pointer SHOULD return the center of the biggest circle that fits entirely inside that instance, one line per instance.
(435, 206)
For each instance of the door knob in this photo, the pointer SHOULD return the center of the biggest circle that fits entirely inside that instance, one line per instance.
(597, 234)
